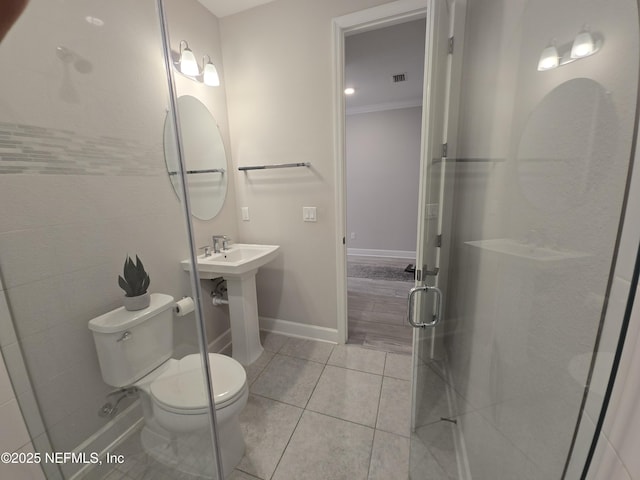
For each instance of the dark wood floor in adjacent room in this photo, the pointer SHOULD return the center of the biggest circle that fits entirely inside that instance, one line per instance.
(378, 307)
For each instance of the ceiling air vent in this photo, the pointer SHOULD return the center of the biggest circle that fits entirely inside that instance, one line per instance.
(399, 77)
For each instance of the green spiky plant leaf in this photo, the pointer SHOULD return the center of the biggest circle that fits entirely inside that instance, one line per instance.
(136, 280)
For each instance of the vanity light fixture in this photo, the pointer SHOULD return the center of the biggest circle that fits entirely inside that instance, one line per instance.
(548, 58)
(210, 73)
(349, 91)
(185, 62)
(584, 45)
(188, 64)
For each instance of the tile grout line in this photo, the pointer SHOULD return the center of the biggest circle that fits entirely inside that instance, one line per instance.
(375, 428)
(297, 423)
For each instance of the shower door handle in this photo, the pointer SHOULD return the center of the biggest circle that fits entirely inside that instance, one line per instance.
(436, 316)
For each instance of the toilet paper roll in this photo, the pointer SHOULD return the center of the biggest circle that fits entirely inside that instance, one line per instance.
(184, 306)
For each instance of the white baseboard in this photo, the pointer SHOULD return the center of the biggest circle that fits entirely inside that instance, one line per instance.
(299, 330)
(106, 439)
(221, 343)
(218, 345)
(369, 252)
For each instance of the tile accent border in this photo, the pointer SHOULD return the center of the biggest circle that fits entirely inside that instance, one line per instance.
(29, 149)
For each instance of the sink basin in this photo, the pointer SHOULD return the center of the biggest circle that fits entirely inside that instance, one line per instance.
(238, 260)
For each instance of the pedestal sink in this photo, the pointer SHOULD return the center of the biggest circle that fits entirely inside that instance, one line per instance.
(238, 265)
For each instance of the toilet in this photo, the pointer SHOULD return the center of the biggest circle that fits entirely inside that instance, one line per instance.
(134, 349)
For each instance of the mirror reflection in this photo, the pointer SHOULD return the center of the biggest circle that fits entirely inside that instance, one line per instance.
(205, 158)
(566, 143)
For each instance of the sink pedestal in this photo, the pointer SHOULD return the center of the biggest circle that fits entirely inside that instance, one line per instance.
(238, 265)
(243, 313)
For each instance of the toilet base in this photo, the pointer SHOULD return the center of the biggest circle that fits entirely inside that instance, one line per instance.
(192, 453)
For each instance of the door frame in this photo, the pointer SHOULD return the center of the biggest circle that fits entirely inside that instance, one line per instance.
(384, 15)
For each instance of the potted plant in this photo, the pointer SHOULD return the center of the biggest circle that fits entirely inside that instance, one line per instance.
(135, 284)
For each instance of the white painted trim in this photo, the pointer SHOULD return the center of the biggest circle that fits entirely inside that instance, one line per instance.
(382, 15)
(386, 14)
(299, 330)
(381, 107)
(221, 343)
(368, 252)
(341, 181)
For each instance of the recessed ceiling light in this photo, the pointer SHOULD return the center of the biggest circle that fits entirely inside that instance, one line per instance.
(349, 91)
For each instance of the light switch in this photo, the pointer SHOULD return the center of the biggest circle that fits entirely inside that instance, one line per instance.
(309, 214)
(245, 214)
(432, 210)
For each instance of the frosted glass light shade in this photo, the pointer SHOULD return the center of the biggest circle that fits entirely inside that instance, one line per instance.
(188, 63)
(210, 76)
(583, 45)
(548, 59)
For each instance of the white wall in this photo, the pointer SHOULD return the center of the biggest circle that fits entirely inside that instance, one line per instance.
(190, 21)
(278, 63)
(65, 233)
(383, 167)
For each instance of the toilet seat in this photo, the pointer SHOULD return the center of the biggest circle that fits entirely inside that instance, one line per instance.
(181, 389)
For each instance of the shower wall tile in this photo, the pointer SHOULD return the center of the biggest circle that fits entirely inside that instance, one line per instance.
(6, 390)
(7, 332)
(22, 471)
(30, 149)
(630, 240)
(608, 344)
(14, 432)
(606, 464)
(622, 425)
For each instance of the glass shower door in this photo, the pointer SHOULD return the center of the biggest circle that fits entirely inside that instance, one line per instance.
(426, 299)
(538, 188)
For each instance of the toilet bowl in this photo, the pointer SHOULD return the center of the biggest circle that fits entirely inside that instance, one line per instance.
(134, 348)
(180, 403)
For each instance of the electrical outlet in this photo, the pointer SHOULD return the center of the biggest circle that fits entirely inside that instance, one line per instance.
(353, 235)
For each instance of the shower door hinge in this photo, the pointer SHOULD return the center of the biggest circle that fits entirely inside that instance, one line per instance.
(418, 275)
(438, 241)
(451, 41)
(445, 147)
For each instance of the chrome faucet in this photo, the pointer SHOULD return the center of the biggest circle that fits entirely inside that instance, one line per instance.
(216, 243)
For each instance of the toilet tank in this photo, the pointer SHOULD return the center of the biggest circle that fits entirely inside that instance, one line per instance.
(131, 344)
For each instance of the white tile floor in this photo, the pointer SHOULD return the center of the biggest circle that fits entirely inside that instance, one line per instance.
(315, 411)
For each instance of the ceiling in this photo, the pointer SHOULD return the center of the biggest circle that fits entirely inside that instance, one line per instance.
(372, 59)
(222, 8)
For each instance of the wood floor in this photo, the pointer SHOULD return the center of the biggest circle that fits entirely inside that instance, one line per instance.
(378, 308)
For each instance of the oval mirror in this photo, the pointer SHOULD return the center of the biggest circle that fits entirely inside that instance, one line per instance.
(205, 159)
(566, 144)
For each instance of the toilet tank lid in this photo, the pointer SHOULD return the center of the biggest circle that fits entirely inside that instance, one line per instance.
(120, 319)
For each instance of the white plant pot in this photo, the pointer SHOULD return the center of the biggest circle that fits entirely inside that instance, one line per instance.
(137, 303)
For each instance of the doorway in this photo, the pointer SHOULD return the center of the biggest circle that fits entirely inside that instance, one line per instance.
(384, 76)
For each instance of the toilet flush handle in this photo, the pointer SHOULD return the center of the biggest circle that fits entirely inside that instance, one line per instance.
(125, 336)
